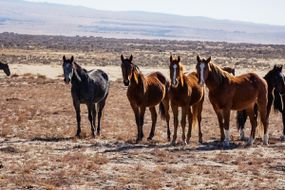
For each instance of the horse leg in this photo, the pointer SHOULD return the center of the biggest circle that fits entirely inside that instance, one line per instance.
(283, 120)
(101, 106)
(76, 105)
(153, 119)
(219, 114)
(253, 122)
(226, 114)
(94, 117)
(190, 119)
(262, 107)
(241, 119)
(175, 121)
(137, 117)
(90, 117)
(183, 122)
(199, 117)
(141, 122)
(165, 104)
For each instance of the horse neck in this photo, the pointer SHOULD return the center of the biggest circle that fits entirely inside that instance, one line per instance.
(80, 72)
(215, 79)
(140, 82)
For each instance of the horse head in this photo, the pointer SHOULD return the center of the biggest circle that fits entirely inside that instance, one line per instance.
(176, 71)
(275, 78)
(69, 69)
(203, 69)
(128, 69)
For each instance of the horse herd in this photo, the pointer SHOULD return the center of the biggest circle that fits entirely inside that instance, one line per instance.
(249, 94)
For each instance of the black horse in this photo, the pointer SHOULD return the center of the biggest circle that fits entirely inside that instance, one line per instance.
(276, 86)
(87, 87)
(279, 105)
(5, 68)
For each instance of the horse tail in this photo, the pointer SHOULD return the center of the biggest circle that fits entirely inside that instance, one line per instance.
(162, 109)
(278, 102)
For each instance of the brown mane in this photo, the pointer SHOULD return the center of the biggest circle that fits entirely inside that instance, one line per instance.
(219, 75)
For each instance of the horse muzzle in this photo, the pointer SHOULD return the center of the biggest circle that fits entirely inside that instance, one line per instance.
(174, 83)
(66, 80)
(126, 82)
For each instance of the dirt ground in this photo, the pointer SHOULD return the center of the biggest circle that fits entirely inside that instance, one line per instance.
(39, 151)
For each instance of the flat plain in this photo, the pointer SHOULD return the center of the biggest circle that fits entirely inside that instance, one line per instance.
(39, 150)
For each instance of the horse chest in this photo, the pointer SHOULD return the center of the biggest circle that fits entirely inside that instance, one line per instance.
(179, 97)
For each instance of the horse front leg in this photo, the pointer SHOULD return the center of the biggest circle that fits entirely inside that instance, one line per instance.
(165, 104)
(76, 105)
(190, 120)
(154, 119)
(137, 117)
(226, 114)
(175, 122)
(183, 123)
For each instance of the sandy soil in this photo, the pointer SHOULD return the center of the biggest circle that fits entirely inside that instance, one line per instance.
(38, 149)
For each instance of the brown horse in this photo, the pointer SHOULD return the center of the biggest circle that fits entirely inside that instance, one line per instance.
(185, 92)
(227, 92)
(230, 70)
(145, 91)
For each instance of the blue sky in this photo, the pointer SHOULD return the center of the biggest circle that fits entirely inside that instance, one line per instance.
(258, 11)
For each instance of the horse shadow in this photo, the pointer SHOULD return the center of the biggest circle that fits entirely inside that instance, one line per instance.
(52, 139)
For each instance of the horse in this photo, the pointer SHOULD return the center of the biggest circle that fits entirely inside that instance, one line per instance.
(5, 68)
(230, 70)
(228, 92)
(87, 87)
(279, 105)
(145, 91)
(185, 92)
(276, 86)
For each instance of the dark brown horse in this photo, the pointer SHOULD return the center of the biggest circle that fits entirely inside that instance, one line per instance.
(227, 92)
(145, 91)
(185, 92)
(276, 89)
(230, 70)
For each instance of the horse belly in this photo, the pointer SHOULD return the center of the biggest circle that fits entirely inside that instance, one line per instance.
(244, 100)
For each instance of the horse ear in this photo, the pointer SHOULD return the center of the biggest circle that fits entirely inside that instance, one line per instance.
(72, 59)
(208, 60)
(178, 59)
(198, 59)
(131, 58)
(122, 58)
(171, 59)
(64, 58)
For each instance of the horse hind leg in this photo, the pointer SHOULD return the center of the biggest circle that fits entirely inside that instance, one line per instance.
(164, 111)
(241, 120)
(154, 119)
(283, 120)
(90, 117)
(253, 122)
(190, 120)
(175, 122)
(101, 106)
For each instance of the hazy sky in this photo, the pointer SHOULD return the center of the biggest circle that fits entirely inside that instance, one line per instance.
(259, 11)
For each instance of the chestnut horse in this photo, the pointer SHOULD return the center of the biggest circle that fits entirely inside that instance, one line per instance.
(145, 91)
(276, 89)
(185, 92)
(227, 92)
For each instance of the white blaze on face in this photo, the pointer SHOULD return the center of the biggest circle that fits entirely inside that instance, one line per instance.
(174, 73)
(202, 67)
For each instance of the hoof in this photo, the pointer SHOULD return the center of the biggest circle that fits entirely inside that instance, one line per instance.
(265, 139)
(282, 138)
(173, 143)
(98, 133)
(149, 138)
(138, 140)
(169, 139)
(226, 144)
(250, 142)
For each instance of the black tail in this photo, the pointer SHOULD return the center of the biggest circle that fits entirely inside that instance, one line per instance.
(278, 103)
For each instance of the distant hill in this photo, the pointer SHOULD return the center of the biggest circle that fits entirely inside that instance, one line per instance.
(52, 19)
